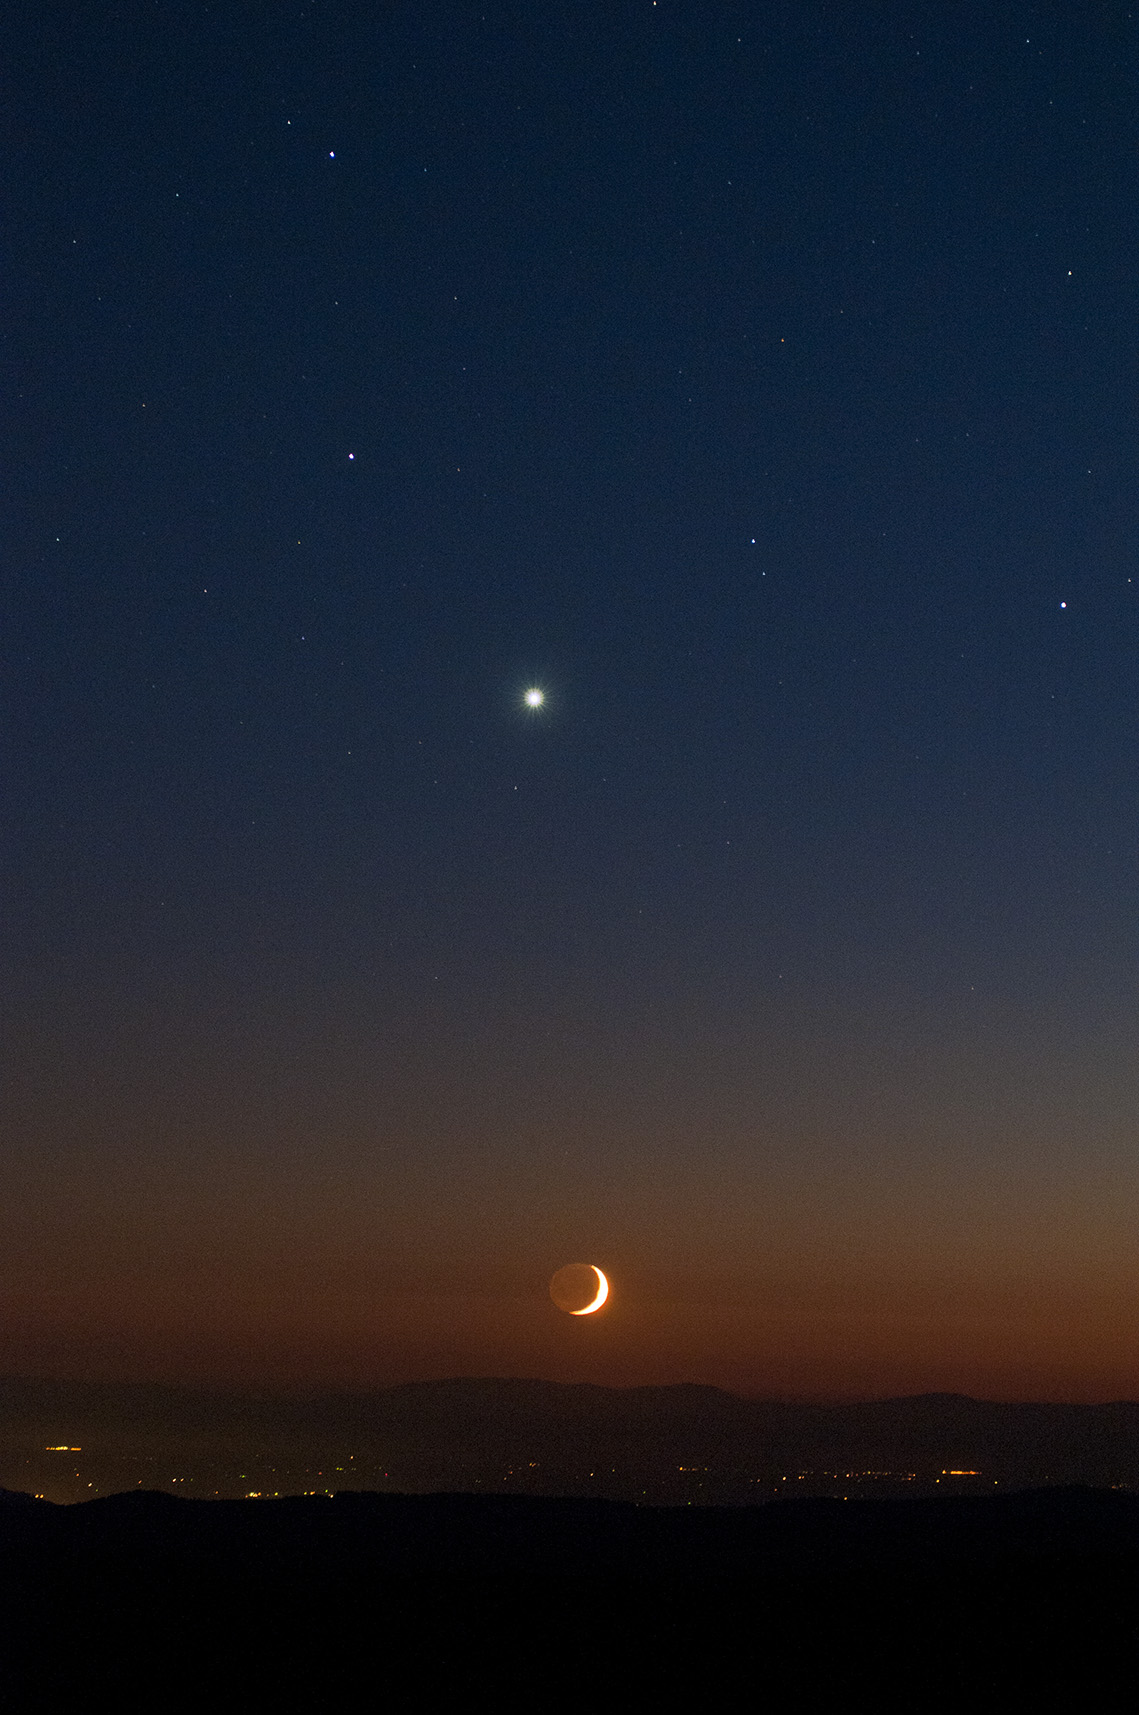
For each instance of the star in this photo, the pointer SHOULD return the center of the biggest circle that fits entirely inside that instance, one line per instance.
(534, 698)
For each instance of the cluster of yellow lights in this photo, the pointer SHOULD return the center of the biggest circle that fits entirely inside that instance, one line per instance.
(63, 1449)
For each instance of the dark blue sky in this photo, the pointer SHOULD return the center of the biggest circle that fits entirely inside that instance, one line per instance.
(759, 381)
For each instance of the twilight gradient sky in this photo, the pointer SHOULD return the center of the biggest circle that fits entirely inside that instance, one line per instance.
(761, 381)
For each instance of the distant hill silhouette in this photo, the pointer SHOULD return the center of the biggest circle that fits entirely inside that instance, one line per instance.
(658, 1443)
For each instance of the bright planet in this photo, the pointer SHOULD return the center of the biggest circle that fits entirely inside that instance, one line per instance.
(579, 1288)
(534, 698)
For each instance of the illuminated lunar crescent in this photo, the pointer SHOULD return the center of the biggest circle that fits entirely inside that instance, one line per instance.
(580, 1288)
(602, 1294)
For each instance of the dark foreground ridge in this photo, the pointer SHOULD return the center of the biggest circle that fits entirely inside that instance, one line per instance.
(328, 1538)
(541, 1602)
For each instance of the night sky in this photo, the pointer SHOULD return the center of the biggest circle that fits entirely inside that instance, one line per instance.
(761, 382)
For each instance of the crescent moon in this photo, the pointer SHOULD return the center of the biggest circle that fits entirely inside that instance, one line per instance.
(602, 1294)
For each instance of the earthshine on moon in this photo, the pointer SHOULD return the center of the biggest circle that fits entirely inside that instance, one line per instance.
(579, 1288)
